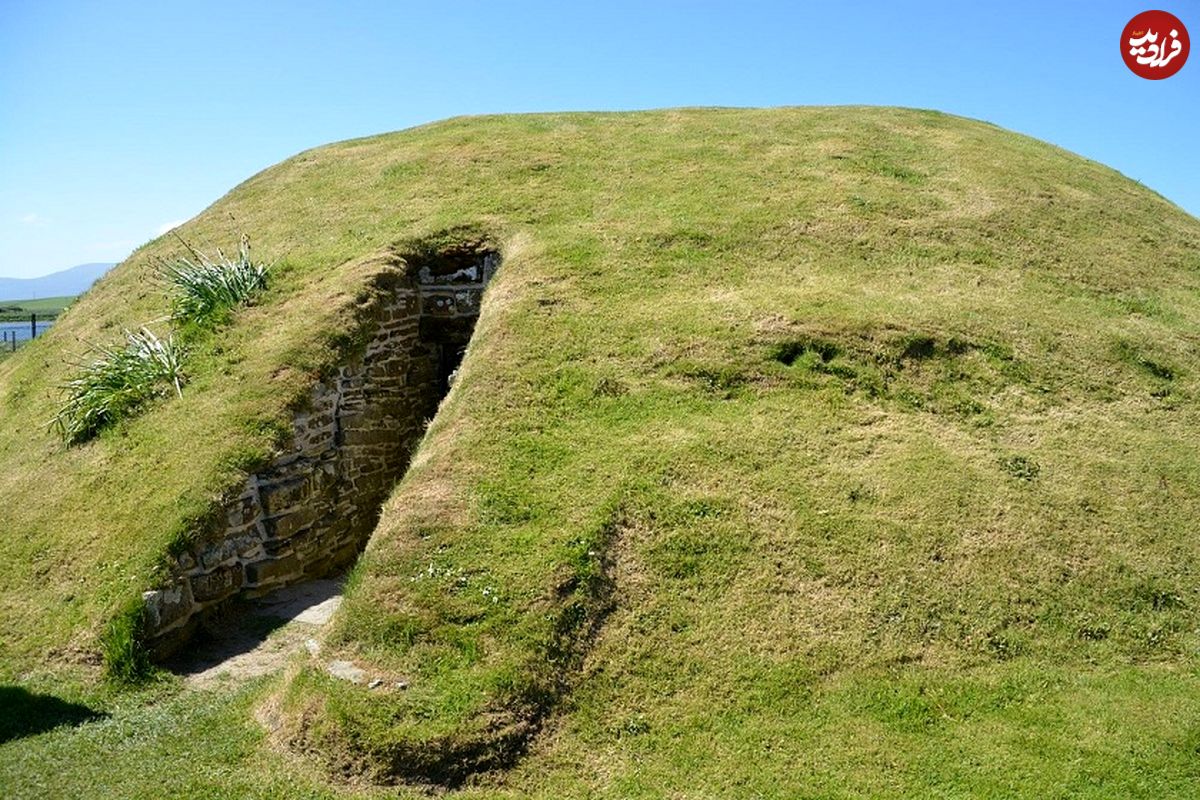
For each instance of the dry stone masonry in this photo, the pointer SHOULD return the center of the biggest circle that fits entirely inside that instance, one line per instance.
(310, 512)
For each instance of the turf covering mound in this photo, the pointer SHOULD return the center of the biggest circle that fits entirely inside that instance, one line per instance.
(795, 451)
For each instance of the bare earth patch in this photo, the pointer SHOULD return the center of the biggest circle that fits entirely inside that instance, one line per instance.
(260, 636)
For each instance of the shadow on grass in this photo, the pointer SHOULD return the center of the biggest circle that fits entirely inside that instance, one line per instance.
(23, 713)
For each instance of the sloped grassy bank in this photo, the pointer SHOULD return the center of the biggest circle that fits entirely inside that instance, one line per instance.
(879, 404)
(864, 435)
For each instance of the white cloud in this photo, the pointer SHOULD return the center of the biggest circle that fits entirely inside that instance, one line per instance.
(169, 226)
(33, 219)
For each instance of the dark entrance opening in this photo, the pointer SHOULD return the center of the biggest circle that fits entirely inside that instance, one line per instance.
(451, 284)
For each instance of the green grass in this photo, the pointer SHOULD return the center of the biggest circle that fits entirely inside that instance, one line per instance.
(168, 744)
(45, 308)
(1021, 731)
(831, 452)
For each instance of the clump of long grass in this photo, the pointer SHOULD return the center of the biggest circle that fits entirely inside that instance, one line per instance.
(116, 381)
(125, 659)
(204, 288)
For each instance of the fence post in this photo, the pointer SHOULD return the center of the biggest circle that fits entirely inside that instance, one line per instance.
(32, 326)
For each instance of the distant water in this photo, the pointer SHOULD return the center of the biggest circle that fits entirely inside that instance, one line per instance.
(20, 330)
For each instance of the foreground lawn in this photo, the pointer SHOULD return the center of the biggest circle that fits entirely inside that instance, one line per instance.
(1020, 730)
(174, 744)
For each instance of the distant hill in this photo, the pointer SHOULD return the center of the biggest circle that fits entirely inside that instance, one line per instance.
(73, 281)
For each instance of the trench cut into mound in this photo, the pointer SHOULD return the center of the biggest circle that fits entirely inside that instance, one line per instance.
(310, 512)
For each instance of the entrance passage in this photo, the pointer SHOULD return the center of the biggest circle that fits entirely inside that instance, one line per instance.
(311, 511)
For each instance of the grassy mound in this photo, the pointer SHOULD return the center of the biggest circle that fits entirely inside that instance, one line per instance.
(796, 451)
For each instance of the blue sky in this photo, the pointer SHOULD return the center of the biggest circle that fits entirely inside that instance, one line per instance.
(120, 118)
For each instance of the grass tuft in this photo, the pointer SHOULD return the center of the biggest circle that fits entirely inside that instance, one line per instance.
(118, 382)
(125, 660)
(204, 289)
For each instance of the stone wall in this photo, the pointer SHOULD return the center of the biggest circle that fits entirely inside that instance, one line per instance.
(310, 512)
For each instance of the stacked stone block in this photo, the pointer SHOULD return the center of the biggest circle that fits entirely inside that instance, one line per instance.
(310, 512)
